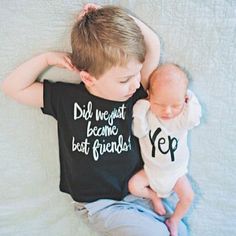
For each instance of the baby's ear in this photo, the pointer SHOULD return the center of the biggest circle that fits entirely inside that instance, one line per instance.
(186, 98)
(87, 78)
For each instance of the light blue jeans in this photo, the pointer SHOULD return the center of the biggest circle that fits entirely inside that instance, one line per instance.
(131, 217)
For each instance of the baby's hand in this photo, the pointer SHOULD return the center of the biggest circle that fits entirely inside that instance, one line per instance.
(141, 107)
(60, 59)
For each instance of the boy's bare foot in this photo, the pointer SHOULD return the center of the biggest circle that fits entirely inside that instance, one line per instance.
(172, 226)
(158, 207)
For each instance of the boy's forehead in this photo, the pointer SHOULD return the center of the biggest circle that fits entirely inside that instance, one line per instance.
(132, 68)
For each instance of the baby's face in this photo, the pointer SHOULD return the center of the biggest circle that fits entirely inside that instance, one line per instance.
(167, 101)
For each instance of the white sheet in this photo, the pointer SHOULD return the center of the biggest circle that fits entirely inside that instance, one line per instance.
(199, 35)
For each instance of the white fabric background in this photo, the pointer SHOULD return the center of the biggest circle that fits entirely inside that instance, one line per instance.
(199, 35)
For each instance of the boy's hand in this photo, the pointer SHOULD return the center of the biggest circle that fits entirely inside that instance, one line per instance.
(88, 7)
(60, 59)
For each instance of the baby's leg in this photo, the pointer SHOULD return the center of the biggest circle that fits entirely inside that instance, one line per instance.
(185, 194)
(139, 186)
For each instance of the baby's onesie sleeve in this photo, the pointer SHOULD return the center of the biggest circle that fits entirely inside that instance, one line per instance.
(140, 125)
(51, 97)
(194, 111)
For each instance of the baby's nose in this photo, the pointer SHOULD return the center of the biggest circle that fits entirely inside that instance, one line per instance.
(168, 110)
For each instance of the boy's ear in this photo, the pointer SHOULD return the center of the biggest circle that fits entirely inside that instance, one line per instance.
(87, 78)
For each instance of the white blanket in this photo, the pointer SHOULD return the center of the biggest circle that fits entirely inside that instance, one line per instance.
(198, 35)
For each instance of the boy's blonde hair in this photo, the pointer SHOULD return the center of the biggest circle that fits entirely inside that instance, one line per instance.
(104, 38)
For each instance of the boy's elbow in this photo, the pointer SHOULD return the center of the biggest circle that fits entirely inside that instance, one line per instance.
(4, 87)
(8, 88)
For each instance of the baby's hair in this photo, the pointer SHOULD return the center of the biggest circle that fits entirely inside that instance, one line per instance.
(171, 70)
(106, 37)
(184, 70)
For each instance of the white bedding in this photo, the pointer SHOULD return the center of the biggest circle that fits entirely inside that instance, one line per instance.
(199, 35)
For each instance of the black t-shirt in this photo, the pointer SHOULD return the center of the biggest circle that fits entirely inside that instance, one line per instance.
(98, 153)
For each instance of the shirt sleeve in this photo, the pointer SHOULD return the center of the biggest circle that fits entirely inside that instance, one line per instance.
(140, 124)
(188, 118)
(193, 111)
(51, 97)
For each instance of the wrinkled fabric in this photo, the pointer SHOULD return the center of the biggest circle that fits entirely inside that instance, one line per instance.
(198, 35)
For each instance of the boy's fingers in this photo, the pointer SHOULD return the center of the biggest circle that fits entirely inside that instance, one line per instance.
(86, 8)
(76, 70)
(68, 64)
(91, 6)
(68, 60)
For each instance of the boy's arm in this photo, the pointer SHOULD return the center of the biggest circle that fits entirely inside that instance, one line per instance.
(152, 57)
(21, 84)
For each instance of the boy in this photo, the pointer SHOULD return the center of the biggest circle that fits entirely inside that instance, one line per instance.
(161, 124)
(98, 153)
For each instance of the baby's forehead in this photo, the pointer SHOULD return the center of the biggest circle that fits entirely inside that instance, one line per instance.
(168, 74)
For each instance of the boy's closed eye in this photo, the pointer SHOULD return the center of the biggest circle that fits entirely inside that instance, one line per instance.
(129, 77)
(126, 79)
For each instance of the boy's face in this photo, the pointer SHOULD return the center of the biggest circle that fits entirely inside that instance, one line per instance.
(168, 100)
(118, 83)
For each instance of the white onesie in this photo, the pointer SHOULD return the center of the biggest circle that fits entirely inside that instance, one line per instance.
(164, 143)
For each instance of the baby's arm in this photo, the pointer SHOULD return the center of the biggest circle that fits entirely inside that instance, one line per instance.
(140, 123)
(194, 110)
(152, 57)
(191, 114)
(21, 84)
